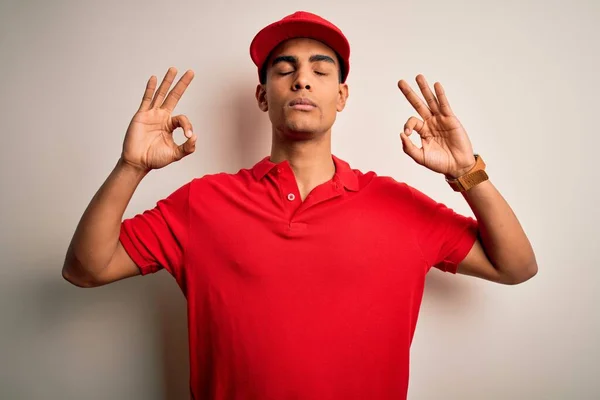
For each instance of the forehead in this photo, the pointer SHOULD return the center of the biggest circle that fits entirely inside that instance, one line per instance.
(302, 47)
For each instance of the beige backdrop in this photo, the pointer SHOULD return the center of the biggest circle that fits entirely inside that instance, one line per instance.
(521, 76)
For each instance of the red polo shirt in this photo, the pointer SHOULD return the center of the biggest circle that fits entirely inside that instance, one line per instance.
(299, 300)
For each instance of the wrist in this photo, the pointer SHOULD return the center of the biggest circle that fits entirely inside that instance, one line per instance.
(474, 176)
(131, 169)
(463, 171)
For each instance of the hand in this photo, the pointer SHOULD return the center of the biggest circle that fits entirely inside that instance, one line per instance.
(446, 148)
(149, 140)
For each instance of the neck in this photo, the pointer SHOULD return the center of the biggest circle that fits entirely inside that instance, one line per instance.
(310, 160)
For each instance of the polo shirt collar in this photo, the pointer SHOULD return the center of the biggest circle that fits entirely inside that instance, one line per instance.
(343, 172)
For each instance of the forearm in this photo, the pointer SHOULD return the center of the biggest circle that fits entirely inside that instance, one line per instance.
(501, 234)
(97, 234)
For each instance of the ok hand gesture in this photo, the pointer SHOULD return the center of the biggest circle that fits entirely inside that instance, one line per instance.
(446, 148)
(149, 140)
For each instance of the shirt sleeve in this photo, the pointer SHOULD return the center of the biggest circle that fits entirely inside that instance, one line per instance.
(156, 238)
(445, 236)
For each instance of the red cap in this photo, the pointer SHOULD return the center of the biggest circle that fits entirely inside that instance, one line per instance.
(296, 25)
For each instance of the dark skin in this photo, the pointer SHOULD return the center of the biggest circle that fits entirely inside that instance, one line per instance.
(301, 135)
(303, 68)
(95, 255)
(502, 253)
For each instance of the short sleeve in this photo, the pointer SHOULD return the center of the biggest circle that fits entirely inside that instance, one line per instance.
(156, 238)
(445, 237)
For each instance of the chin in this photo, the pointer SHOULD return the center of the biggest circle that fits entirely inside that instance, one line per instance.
(303, 128)
(301, 124)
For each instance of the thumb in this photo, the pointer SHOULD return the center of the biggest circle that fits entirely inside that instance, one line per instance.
(186, 148)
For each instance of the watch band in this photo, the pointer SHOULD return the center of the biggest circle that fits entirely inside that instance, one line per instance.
(475, 176)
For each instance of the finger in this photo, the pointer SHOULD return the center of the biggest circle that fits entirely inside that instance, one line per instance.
(411, 149)
(181, 121)
(414, 100)
(164, 87)
(147, 99)
(415, 124)
(428, 94)
(186, 148)
(178, 91)
(442, 99)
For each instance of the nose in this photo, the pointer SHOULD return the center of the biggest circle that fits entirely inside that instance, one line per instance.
(301, 85)
(301, 81)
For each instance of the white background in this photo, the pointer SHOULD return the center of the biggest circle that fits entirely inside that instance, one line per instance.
(520, 75)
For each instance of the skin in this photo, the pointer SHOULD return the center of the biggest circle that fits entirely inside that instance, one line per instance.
(502, 253)
(95, 255)
(303, 137)
(298, 68)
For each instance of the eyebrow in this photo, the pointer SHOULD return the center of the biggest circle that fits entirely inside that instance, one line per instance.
(294, 60)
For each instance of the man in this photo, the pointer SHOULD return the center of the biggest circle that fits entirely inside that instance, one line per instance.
(303, 277)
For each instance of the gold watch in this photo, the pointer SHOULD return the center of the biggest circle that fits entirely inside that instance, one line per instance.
(475, 176)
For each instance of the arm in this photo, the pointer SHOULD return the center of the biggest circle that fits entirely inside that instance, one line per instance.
(502, 252)
(95, 255)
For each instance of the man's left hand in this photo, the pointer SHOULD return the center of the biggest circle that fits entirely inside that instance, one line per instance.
(446, 148)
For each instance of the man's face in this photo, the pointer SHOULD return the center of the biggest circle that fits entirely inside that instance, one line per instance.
(301, 71)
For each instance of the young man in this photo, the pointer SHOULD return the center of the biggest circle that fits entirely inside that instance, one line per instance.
(303, 277)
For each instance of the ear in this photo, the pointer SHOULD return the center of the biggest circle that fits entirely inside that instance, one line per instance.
(261, 97)
(342, 96)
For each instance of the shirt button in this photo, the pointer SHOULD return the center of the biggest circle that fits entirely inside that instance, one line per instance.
(278, 170)
(291, 197)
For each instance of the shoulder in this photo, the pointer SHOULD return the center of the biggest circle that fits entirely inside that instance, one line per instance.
(222, 182)
(370, 181)
(386, 185)
(384, 190)
(401, 190)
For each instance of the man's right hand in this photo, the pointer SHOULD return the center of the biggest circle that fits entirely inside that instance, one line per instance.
(149, 140)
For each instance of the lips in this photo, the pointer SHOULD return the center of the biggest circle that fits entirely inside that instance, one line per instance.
(302, 101)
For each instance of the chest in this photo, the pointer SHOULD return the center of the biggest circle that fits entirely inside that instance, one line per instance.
(343, 244)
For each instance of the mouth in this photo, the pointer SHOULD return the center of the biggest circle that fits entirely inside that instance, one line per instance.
(302, 104)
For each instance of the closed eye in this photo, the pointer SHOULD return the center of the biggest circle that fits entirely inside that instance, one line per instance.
(291, 72)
